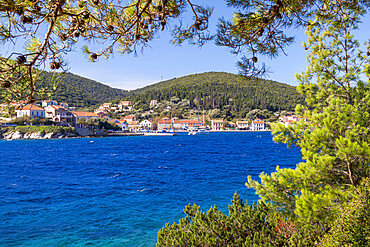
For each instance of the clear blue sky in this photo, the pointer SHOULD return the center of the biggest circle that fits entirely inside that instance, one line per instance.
(163, 61)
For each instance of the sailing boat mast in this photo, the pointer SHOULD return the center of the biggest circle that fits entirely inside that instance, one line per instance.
(204, 123)
(198, 106)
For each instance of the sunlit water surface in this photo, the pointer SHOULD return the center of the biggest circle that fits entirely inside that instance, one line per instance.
(120, 191)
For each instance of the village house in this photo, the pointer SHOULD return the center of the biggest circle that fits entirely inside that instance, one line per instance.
(120, 123)
(46, 103)
(32, 111)
(258, 124)
(288, 120)
(65, 105)
(217, 125)
(133, 125)
(231, 126)
(153, 103)
(123, 125)
(114, 121)
(125, 106)
(185, 124)
(242, 125)
(59, 114)
(147, 124)
(130, 118)
(77, 115)
(105, 106)
(164, 124)
(16, 105)
(101, 114)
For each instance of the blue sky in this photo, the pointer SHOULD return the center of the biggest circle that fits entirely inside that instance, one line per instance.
(163, 61)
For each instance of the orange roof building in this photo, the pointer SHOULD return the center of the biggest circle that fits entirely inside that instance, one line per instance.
(32, 111)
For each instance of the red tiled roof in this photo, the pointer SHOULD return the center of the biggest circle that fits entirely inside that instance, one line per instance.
(217, 121)
(84, 114)
(32, 107)
(164, 121)
(14, 103)
(184, 121)
(58, 107)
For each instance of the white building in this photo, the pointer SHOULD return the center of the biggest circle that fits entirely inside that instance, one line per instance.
(153, 103)
(125, 106)
(147, 124)
(258, 124)
(123, 125)
(46, 103)
(32, 111)
(217, 125)
(242, 125)
(58, 114)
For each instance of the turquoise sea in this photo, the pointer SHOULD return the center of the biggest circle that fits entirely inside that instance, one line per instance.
(119, 191)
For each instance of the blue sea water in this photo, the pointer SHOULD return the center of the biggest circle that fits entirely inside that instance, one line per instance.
(120, 191)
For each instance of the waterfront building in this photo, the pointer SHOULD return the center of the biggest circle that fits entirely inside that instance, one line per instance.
(217, 125)
(32, 111)
(242, 125)
(288, 120)
(59, 114)
(258, 124)
(164, 124)
(82, 115)
(133, 125)
(184, 124)
(147, 124)
(122, 124)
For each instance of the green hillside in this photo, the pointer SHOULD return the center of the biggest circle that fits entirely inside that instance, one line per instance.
(81, 92)
(223, 90)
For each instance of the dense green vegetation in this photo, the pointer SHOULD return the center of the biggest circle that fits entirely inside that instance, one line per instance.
(217, 90)
(231, 94)
(324, 200)
(81, 92)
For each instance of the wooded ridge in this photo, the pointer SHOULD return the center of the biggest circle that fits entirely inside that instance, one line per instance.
(213, 89)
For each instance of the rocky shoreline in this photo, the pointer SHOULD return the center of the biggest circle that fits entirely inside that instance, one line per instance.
(46, 132)
(16, 135)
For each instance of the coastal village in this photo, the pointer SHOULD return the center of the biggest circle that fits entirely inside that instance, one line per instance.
(51, 112)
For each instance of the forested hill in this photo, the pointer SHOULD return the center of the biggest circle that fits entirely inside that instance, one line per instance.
(78, 91)
(223, 90)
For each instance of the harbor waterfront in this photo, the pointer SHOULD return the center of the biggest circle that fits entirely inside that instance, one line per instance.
(120, 191)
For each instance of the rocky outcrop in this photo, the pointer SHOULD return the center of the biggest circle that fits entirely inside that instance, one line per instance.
(17, 135)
